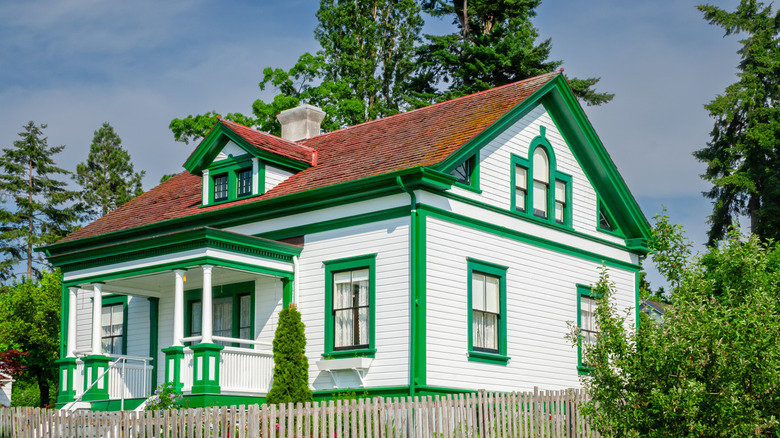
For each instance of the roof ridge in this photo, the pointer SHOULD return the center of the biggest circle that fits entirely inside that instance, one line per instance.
(489, 90)
(224, 120)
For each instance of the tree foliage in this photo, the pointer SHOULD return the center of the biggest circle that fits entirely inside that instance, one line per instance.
(107, 178)
(44, 212)
(713, 367)
(30, 322)
(742, 157)
(495, 43)
(11, 363)
(291, 367)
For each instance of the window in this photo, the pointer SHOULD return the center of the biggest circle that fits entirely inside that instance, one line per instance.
(467, 173)
(540, 191)
(586, 321)
(244, 182)
(350, 291)
(521, 187)
(606, 223)
(487, 312)
(220, 188)
(541, 173)
(113, 325)
(232, 311)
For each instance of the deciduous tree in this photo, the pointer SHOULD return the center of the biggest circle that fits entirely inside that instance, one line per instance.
(107, 178)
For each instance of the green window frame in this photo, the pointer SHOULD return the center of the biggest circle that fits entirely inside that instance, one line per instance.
(476, 269)
(234, 292)
(114, 301)
(341, 266)
(522, 192)
(586, 303)
(234, 170)
(466, 173)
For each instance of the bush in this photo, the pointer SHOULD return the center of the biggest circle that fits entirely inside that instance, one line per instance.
(165, 397)
(291, 367)
(712, 368)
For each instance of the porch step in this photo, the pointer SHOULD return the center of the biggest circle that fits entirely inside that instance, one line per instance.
(77, 406)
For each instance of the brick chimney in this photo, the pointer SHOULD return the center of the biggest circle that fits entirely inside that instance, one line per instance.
(301, 122)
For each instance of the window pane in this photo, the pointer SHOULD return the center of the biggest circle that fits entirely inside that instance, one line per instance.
(521, 176)
(220, 187)
(363, 324)
(117, 348)
(541, 166)
(559, 212)
(342, 294)
(245, 304)
(477, 329)
(587, 316)
(491, 332)
(197, 319)
(105, 317)
(560, 191)
(223, 316)
(244, 182)
(343, 328)
(477, 291)
(519, 200)
(491, 294)
(540, 199)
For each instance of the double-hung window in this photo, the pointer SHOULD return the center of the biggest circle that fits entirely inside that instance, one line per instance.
(521, 187)
(560, 201)
(586, 322)
(541, 174)
(350, 306)
(487, 312)
(244, 182)
(231, 312)
(220, 188)
(113, 325)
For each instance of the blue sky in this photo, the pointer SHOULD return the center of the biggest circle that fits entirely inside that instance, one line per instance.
(75, 64)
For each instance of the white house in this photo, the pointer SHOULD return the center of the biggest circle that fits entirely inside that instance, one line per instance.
(436, 251)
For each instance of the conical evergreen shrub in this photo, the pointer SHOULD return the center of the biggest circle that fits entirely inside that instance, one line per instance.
(291, 367)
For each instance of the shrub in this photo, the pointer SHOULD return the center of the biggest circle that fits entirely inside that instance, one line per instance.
(165, 397)
(291, 367)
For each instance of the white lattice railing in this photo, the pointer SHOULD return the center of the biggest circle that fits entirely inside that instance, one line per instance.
(245, 370)
(130, 380)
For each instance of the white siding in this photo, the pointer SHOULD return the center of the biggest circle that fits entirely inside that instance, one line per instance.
(541, 299)
(268, 304)
(230, 149)
(83, 320)
(274, 176)
(5, 390)
(164, 331)
(389, 240)
(138, 326)
(495, 167)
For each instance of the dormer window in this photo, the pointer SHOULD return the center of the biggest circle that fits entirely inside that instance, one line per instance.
(220, 188)
(244, 182)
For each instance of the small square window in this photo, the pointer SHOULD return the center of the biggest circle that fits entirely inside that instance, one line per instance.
(244, 182)
(220, 188)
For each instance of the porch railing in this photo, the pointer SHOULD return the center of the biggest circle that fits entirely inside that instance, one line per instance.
(242, 370)
(128, 377)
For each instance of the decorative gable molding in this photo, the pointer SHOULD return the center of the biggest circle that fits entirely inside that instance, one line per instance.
(231, 150)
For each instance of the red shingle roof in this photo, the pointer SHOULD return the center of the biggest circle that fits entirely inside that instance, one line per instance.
(421, 137)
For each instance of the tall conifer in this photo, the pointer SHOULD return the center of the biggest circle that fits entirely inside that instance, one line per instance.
(291, 367)
(107, 178)
(42, 206)
(743, 155)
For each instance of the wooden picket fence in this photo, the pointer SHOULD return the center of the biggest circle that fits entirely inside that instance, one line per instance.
(541, 414)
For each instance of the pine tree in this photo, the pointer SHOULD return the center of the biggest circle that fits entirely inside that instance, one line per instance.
(44, 212)
(291, 367)
(495, 44)
(107, 178)
(742, 157)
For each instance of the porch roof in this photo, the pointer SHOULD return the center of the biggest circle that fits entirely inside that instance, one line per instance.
(203, 245)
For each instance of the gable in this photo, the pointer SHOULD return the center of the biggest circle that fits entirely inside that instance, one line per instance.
(552, 120)
(230, 150)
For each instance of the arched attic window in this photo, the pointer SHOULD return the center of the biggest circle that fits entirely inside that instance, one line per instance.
(541, 177)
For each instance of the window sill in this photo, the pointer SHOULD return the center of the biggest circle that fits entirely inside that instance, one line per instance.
(364, 352)
(541, 221)
(481, 356)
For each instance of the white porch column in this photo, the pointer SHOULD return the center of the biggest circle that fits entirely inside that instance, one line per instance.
(206, 188)
(255, 176)
(206, 324)
(72, 302)
(97, 314)
(178, 308)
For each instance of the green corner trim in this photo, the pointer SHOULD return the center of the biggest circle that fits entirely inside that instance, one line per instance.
(154, 330)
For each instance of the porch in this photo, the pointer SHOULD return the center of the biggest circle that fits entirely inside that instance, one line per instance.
(203, 325)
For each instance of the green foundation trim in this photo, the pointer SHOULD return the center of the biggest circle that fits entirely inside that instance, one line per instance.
(206, 368)
(205, 400)
(382, 391)
(94, 366)
(67, 390)
(174, 356)
(115, 405)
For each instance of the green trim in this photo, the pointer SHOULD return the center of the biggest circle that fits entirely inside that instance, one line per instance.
(231, 167)
(215, 141)
(637, 310)
(202, 358)
(287, 292)
(96, 363)
(175, 242)
(526, 238)
(233, 290)
(499, 272)
(582, 291)
(164, 267)
(419, 328)
(367, 261)
(67, 367)
(113, 300)
(515, 161)
(154, 330)
(64, 317)
(174, 357)
(334, 224)
(115, 405)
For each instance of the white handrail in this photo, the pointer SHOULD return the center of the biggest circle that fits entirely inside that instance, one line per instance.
(112, 365)
(241, 341)
(191, 339)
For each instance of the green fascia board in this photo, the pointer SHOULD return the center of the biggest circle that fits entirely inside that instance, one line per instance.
(264, 209)
(174, 242)
(215, 140)
(558, 99)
